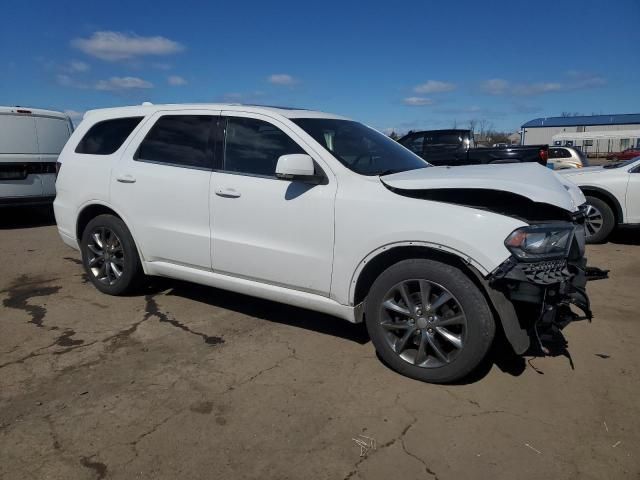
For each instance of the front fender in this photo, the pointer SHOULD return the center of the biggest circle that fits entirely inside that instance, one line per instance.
(464, 257)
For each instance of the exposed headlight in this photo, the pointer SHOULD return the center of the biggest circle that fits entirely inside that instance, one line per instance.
(540, 242)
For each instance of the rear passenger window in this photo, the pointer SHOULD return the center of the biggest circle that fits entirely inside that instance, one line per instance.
(253, 146)
(104, 138)
(181, 140)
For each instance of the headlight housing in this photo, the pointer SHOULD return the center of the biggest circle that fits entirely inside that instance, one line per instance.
(540, 242)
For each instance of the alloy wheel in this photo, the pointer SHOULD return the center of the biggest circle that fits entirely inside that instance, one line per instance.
(424, 323)
(106, 255)
(593, 221)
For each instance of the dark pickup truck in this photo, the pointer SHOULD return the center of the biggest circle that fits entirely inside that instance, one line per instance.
(457, 147)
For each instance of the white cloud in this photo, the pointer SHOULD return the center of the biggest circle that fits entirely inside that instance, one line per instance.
(122, 83)
(527, 89)
(176, 80)
(162, 65)
(68, 81)
(495, 86)
(112, 46)
(417, 101)
(78, 66)
(434, 86)
(575, 81)
(282, 79)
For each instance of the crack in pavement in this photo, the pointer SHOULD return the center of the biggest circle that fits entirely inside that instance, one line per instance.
(66, 340)
(389, 444)
(152, 310)
(426, 467)
(134, 444)
(292, 354)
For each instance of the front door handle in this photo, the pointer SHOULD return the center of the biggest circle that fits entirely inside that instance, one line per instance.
(126, 178)
(227, 192)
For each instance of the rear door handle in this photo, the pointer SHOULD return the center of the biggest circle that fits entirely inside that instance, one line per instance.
(126, 178)
(227, 192)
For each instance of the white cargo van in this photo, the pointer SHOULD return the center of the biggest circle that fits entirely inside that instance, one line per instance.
(30, 142)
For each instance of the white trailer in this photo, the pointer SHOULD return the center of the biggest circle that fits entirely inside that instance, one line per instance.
(598, 143)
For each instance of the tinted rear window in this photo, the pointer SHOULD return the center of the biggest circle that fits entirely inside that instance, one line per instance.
(18, 134)
(53, 133)
(181, 140)
(104, 138)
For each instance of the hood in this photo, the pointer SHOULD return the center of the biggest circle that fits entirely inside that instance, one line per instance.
(578, 171)
(531, 180)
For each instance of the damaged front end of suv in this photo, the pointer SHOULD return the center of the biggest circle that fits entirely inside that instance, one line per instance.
(546, 273)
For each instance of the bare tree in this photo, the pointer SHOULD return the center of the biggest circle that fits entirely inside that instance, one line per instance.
(484, 127)
(455, 124)
(472, 125)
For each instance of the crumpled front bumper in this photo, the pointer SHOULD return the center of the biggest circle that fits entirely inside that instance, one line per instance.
(542, 292)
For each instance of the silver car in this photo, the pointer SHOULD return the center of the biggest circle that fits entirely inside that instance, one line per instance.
(30, 142)
(566, 157)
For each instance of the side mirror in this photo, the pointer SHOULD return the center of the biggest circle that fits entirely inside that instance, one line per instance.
(295, 166)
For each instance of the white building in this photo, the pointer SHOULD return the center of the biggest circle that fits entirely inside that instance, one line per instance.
(620, 127)
(594, 143)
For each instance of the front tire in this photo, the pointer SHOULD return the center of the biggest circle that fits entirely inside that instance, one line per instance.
(429, 321)
(110, 257)
(600, 220)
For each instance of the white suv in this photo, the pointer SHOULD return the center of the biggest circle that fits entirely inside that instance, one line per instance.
(613, 196)
(322, 212)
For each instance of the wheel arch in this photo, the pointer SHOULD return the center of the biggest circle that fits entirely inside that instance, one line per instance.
(377, 262)
(501, 308)
(606, 197)
(91, 210)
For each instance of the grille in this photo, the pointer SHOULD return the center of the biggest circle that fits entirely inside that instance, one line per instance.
(546, 273)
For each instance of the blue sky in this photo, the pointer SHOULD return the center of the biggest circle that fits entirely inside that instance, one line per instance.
(394, 65)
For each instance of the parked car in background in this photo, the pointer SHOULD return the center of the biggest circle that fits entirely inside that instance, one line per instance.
(627, 154)
(566, 157)
(322, 212)
(30, 142)
(613, 196)
(458, 147)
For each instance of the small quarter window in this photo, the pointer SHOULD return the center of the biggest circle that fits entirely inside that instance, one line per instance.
(253, 146)
(104, 138)
(180, 140)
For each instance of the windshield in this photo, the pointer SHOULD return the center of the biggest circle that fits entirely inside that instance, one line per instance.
(360, 148)
(621, 164)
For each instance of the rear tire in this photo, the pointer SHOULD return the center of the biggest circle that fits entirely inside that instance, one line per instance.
(429, 321)
(110, 256)
(600, 220)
